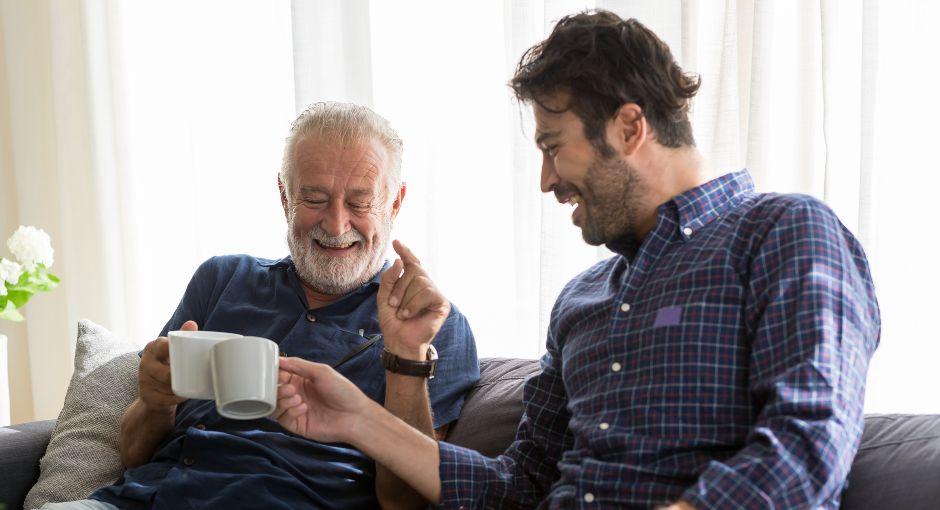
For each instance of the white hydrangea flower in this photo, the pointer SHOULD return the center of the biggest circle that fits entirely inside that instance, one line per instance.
(31, 246)
(9, 272)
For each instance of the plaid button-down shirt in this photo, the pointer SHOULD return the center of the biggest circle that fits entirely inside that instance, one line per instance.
(722, 362)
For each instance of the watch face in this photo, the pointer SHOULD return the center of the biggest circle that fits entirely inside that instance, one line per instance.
(432, 353)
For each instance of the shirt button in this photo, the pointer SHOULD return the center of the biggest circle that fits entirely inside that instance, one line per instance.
(311, 317)
(200, 426)
(188, 461)
(687, 231)
(605, 426)
(615, 367)
(588, 497)
(625, 307)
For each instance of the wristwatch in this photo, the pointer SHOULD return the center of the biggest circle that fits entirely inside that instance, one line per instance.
(402, 366)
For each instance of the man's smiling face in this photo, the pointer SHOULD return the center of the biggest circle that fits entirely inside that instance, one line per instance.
(604, 190)
(339, 212)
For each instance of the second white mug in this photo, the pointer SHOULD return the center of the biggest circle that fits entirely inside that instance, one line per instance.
(244, 375)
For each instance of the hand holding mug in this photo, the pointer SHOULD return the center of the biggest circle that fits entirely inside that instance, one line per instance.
(153, 379)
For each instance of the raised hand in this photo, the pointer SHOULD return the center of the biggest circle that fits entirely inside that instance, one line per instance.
(411, 308)
(316, 402)
(153, 378)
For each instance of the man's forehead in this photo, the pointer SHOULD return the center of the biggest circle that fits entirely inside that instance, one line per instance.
(550, 111)
(363, 161)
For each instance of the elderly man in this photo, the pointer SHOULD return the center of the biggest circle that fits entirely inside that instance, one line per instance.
(341, 190)
(718, 360)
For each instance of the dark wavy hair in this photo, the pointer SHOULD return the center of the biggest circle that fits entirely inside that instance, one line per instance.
(603, 62)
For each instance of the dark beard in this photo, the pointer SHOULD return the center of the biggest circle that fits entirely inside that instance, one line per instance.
(611, 195)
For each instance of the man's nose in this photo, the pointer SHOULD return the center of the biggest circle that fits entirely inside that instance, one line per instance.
(336, 220)
(549, 175)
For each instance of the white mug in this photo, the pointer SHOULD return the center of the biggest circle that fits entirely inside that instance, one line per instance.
(244, 374)
(190, 371)
(240, 373)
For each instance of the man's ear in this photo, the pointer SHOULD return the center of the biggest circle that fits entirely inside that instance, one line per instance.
(280, 188)
(628, 129)
(398, 199)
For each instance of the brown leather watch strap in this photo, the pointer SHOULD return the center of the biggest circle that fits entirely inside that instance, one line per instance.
(402, 366)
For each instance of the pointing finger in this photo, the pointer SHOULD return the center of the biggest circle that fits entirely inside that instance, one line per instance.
(387, 282)
(405, 253)
(398, 296)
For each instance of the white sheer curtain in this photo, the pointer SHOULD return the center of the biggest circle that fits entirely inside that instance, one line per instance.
(153, 131)
(145, 138)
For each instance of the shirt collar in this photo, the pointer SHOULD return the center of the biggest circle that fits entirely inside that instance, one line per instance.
(696, 207)
(701, 205)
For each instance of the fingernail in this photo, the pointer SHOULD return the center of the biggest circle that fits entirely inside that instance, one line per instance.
(405, 313)
(393, 301)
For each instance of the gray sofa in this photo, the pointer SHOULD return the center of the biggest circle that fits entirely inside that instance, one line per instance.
(897, 466)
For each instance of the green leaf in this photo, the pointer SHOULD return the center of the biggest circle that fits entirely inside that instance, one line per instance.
(10, 313)
(38, 280)
(41, 281)
(18, 297)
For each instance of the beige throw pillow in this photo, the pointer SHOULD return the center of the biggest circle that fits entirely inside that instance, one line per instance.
(83, 453)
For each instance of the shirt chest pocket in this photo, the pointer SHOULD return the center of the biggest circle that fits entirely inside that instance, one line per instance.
(691, 359)
(363, 367)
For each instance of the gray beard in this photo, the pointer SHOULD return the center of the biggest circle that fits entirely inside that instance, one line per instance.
(332, 275)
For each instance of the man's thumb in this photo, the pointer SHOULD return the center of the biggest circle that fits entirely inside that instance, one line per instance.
(189, 326)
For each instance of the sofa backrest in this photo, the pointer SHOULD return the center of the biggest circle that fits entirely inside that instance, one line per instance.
(491, 411)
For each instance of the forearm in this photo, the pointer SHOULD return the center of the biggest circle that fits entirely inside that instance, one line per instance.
(407, 398)
(411, 455)
(800, 460)
(142, 430)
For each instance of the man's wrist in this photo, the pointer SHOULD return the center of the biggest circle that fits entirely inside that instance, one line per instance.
(359, 430)
(157, 412)
(405, 351)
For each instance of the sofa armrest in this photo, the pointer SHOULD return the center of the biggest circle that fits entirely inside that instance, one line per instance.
(21, 447)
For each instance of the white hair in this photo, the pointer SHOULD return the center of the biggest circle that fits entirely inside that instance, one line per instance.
(347, 123)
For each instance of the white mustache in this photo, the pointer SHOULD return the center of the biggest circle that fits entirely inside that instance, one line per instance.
(318, 234)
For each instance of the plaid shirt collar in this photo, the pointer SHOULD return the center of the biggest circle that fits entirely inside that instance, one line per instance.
(694, 208)
(702, 205)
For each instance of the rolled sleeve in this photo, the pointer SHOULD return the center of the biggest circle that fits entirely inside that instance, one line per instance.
(463, 474)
